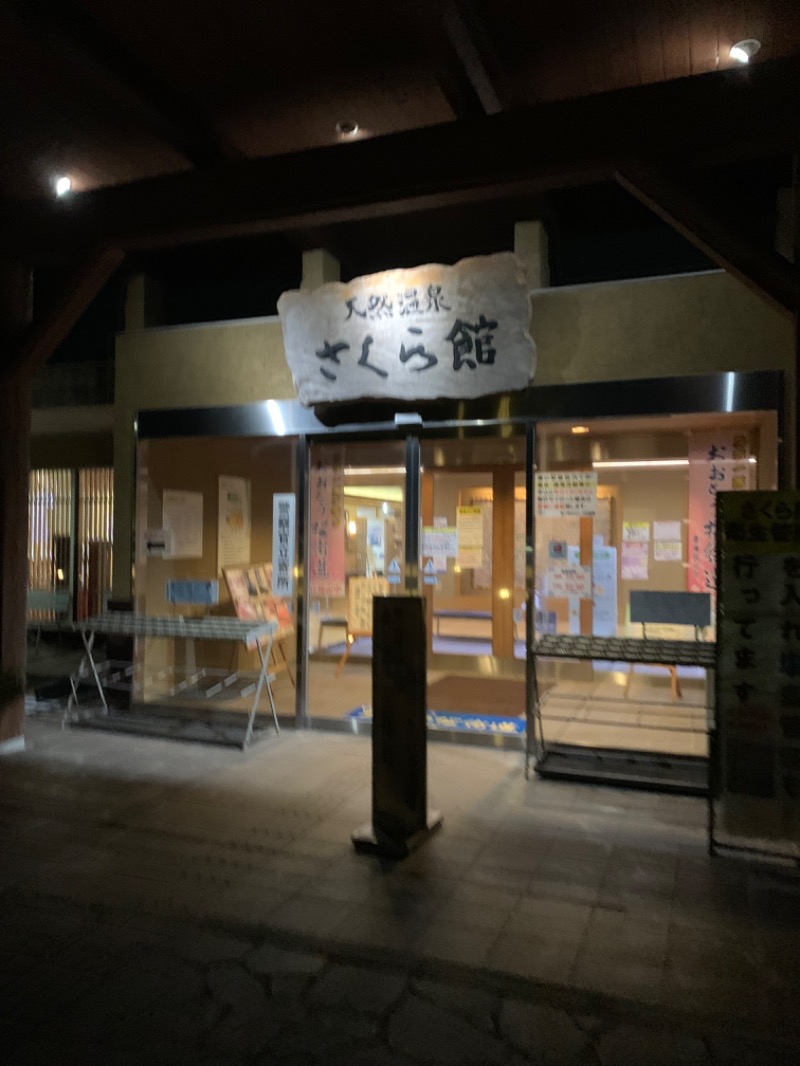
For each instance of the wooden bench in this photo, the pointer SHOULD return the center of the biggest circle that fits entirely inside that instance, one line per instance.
(55, 602)
(651, 607)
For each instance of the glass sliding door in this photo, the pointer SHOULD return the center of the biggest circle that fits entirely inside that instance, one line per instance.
(356, 550)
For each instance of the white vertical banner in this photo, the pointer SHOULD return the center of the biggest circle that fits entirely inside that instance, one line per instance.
(283, 522)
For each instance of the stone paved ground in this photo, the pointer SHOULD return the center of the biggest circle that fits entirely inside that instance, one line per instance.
(150, 890)
(90, 985)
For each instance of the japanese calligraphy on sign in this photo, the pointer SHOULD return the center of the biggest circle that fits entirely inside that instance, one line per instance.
(283, 517)
(566, 492)
(326, 530)
(718, 462)
(434, 331)
(758, 662)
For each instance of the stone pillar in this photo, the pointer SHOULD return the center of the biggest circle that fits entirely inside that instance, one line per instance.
(15, 420)
(144, 303)
(319, 267)
(530, 246)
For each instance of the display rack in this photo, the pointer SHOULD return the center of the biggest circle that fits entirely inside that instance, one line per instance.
(614, 649)
(259, 636)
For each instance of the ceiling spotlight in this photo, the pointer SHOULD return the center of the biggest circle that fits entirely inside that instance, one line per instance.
(744, 51)
(63, 185)
(346, 128)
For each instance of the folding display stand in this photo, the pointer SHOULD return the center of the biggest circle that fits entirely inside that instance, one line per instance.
(613, 649)
(260, 636)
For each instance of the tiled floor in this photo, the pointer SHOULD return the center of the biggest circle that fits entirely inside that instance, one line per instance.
(594, 889)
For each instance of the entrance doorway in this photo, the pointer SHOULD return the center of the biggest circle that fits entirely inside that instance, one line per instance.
(471, 570)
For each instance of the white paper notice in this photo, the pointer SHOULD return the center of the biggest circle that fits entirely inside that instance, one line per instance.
(667, 542)
(182, 516)
(233, 527)
(469, 524)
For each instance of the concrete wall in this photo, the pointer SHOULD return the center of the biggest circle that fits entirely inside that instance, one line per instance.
(689, 324)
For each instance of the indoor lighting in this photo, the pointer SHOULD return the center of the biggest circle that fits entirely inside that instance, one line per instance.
(743, 51)
(346, 128)
(368, 471)
(352, 527)
(628, 464)
(62, 185)
(580, 429)
(277, 418)
(504, 594)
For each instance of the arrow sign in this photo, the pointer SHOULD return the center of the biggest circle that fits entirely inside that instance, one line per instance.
(157, 542)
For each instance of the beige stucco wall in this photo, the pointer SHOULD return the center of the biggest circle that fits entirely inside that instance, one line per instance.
(689, 324)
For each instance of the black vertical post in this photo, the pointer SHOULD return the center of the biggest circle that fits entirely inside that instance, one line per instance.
(302, 602)
(412, 515)
(400, 817)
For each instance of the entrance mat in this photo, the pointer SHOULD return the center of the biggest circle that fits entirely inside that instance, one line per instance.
(228, 730)
(684, 775)
(480, 724)
(477, 695)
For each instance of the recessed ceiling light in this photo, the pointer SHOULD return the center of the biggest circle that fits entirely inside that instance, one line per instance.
(62, 185)
(580, 429)
(346, 127)
(743, 51)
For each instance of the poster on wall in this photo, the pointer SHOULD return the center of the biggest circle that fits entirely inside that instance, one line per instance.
(718, 462)
(569, 581)
(758, 663)
(635, 551)
(182, 517)
(604, 591)
(566, 493)
(667, 542)
(233, 521)
(469, 527)
(431, 331)
(283, 519)
(251, 592)
(359, 602)
(326, 531)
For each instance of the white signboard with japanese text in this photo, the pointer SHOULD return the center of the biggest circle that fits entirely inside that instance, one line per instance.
(569, 581)
(469, 526)
(758, 662)
(565, 493)
(283, 518)
(433, 331)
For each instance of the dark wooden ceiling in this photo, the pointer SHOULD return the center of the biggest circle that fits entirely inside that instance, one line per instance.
(111, 92)
(184, 122)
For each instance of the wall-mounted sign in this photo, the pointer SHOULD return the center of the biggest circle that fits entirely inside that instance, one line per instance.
(195, 593)
(566, 493)
(469, 533)
(434, 331)
(569, 581)
(283, 512)
(182, 518)
(156, 543)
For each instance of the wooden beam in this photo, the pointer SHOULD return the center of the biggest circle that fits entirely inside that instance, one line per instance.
(470, 40)
(761, 269)
(43, 337)
(69, 31)
(713, 118)
(15, 420)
